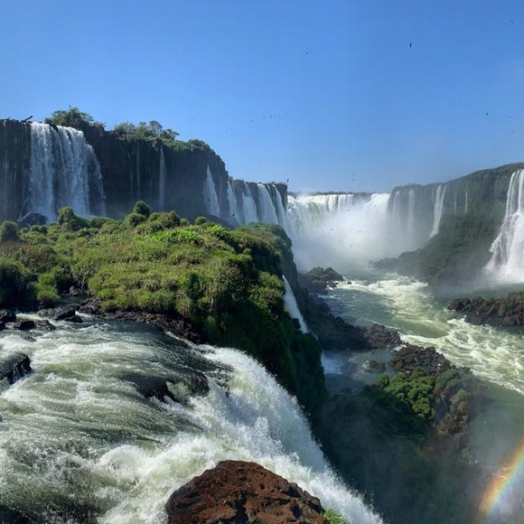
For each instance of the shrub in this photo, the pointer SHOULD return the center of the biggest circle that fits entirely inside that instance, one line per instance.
(141, 208)
(46, 293)
(200, 221)
(69, 221)
(9, 232)
(15, 284)
(134, 219)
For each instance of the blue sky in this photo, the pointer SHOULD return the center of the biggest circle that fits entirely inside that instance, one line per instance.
(333, 95)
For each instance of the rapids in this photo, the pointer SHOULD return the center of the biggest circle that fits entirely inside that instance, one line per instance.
(79, 444)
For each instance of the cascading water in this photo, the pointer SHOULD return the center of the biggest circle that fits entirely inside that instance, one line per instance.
(79, 443)
(507, 259)
(438, 209)
(267, 210)
(210, 195)
(249, 206)
(162, 180)
(292, 306)
(63, 169)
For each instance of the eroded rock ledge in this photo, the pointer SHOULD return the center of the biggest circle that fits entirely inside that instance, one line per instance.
(501, 312)
(242, 492)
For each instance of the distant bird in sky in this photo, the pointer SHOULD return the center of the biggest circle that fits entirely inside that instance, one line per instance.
(411, 45)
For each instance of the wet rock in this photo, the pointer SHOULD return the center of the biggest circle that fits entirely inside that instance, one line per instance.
(179, 388)
(501, 312)
(58, 313)
(242, 492)
(2, 326)
(10, 516)
(376, 367)
(378, 336)
(75, 319)
(45, 325)
(25, 325)
(7, 315)
(410, 357)
(14, 367)
(318, 279)
(32, 219)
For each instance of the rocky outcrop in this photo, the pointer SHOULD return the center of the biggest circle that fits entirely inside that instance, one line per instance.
(318, 279)
(14, 367)
(242, 492)
(333, 332)
(501, 312)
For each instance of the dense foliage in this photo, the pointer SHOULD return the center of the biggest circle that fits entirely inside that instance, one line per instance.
(226, 283)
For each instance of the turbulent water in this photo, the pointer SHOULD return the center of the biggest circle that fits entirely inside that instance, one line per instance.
(78, 442)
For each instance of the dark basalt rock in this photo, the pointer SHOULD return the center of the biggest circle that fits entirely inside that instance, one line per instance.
(318, 279)
(335, 333)
(10, 516)
(499, 312)
(184, 385)
(410, 358)
(59, 313)
(2, 326)
(242, 492)
(25, 325)
(7, 315)
(32, 219)
(45, 325)
(15, 367)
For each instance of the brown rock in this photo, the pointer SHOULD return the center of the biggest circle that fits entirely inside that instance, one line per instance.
(238, 492)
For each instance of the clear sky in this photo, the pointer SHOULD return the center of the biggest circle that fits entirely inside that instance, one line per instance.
(334, 95)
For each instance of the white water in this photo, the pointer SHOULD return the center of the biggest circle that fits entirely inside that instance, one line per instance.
(77, 431)
(357, 231)
(210, 195)
(507, 260)
(292, 306)
(162, 180)
(438, 209)
(61, 169)
(408, 305)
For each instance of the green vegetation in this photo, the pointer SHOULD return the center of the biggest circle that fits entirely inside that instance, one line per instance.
(333, 517)
(151, 131)
(226, 283)
(456, 254)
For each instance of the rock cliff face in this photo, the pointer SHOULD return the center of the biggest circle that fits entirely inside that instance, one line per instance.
(189, 178)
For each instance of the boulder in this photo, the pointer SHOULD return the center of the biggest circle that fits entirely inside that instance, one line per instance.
(242, 492)
(318, 279)
(25, 325)
(67, 313)
(14, 367)
(7, 315)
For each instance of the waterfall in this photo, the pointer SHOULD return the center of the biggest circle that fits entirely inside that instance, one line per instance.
(438, 208)
(249, 206)
(234, 214)
(267, 211)
(79, 442)
(507, 259)
(210, 195)
(411, 213)
(63, 169)
(292, 306)
(162, 179)
(466, 199)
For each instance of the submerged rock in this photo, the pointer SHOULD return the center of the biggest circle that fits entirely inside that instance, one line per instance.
(242, 492)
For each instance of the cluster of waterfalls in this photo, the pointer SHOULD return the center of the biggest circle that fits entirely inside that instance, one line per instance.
(64, 171)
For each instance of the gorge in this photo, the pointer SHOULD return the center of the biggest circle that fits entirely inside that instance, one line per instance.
(78, 434)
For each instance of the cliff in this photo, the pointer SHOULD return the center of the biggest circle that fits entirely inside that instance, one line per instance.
(188, 177)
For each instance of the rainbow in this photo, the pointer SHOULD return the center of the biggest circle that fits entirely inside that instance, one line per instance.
(504, 490)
